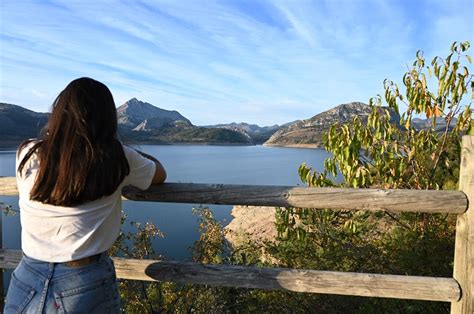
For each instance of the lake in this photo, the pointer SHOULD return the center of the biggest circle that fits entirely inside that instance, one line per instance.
(258, 165)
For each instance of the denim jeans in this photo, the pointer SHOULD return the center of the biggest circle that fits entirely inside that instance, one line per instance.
(42, 287)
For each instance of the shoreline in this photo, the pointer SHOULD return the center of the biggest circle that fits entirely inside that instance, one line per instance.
(8, 145)
(5, 145)
(189, 143)
(307, 146)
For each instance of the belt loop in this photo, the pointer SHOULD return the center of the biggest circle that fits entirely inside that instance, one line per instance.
(44, 293)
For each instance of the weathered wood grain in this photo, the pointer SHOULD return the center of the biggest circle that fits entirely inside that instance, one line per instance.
(286, 196)
(8, 186)
(310, 281)
(9, 258)
(464, 247)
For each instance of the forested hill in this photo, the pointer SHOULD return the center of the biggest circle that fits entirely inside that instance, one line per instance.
(257, 133)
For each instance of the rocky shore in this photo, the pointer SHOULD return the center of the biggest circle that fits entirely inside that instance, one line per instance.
(293, 145)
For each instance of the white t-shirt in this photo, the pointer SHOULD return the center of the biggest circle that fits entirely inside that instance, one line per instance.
(60, 234)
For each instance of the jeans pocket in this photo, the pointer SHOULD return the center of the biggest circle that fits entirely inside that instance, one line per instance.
(95, 297)
(18, 296)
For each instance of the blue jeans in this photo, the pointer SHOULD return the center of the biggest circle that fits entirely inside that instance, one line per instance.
(42, 287)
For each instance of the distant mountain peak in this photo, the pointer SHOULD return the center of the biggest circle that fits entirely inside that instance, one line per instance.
(139, 115)
(135, 104)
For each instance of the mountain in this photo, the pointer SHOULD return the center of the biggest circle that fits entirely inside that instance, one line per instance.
(138, 122)
(257, 134)
(141, 116)
(310, 132)
(141, 122)
(18, 124)
(179, 134)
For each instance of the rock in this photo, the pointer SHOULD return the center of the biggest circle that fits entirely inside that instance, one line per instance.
(251, 223)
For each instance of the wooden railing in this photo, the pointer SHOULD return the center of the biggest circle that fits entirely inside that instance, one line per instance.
(459, 290)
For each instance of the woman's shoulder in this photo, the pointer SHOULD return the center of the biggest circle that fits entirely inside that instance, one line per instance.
(26, 156)
(25, 146)
(129, 151)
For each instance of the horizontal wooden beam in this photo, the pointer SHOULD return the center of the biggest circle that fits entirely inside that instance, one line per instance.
(304, 197)
(10, 258)
(298, 280)
(8, 186)
(289, 196)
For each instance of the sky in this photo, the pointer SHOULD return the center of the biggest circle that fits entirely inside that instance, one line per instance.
(256, 61)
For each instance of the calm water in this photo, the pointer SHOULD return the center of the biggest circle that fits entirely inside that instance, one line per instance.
(196, 164)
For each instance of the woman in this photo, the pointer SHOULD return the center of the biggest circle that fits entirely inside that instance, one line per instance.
(70, 183)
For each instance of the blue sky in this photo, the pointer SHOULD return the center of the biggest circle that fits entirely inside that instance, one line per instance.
(261, 62)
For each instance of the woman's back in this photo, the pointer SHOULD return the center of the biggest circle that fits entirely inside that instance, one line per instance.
(61, 233)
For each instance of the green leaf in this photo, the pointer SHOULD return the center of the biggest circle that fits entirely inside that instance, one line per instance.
(453, 46)
(436, 70)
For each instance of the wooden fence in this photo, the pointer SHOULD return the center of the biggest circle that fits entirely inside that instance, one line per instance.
(459, 290)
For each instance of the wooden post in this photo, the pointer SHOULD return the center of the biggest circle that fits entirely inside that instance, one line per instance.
(2, 291)
(464, 248)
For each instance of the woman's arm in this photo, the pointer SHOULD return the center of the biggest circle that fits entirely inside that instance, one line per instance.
(160, 173)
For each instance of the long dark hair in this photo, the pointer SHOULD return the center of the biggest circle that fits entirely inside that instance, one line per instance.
(80, 157)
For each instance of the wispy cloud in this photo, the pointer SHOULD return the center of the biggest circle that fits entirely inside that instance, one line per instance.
(263, 62)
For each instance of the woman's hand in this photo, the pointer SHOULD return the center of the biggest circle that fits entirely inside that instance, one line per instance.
(160, 173)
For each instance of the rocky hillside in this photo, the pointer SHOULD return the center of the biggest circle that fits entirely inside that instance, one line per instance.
(141, 122)
(257, 134)
(18, 124)
(310, 132)
(141, 116)
(138, 122)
